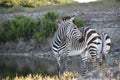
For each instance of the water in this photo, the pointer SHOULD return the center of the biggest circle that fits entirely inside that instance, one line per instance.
(85, 1)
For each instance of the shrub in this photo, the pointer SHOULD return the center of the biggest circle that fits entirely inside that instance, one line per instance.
(26, 27)
(78, 22)
(20, 26)
(46, 27)
(2, 38)
(51, 16)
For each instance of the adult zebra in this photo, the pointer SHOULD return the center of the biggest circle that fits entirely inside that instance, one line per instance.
(61, 44)
(88, 48)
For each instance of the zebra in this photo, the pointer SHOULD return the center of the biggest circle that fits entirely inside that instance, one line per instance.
(89, 47)
(97, 47)
(69, 41)
(61, 43)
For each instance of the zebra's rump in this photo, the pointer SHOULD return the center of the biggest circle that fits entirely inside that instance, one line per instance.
(92, 41)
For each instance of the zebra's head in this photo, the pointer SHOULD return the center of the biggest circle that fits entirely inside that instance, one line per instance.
(72, 32)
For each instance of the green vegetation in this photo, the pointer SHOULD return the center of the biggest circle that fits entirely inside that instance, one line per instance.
(27, 27)
(79, 22)
(13, 71)
(118, 0)
(53, 5)
(31, 3)
(18, 8)
(20, 26)
(46, 26)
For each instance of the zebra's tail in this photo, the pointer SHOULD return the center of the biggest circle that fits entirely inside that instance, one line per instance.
(106, 45)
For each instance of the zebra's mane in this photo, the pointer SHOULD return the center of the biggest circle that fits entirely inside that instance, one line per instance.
(66, 17)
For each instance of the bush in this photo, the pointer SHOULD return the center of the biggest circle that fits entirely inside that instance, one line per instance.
(27, 28)
(78, 22)
(51, 16)
(46, 27)
(20, 26)
(2, 38)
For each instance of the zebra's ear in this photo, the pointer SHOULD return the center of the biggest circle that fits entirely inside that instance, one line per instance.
(75, 14)
(72, 18)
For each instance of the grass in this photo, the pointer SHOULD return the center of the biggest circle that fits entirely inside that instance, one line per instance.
(30, 9)
(108, 75)
(65, 76)
(104, 72)
(100, 4)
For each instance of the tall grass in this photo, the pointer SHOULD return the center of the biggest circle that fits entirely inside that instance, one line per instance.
(65, 76)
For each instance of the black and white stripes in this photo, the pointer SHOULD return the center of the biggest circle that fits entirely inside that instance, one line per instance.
(106, 43)
(62, 41)
(105, 46)
(97, 46)
(70, 41)
(92, 42)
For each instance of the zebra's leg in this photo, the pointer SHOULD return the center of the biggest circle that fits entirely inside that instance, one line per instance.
(63, 64)
(85, 71)
(94, 61)
(85, 67)
(59, 67)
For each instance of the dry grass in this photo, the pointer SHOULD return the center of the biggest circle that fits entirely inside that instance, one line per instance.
(101, 4)
(104, 72)
(65, 76)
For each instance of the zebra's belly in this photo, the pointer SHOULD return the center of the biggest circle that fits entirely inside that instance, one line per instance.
(75, 52)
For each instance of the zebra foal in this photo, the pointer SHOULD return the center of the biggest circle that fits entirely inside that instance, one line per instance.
(61, 43)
